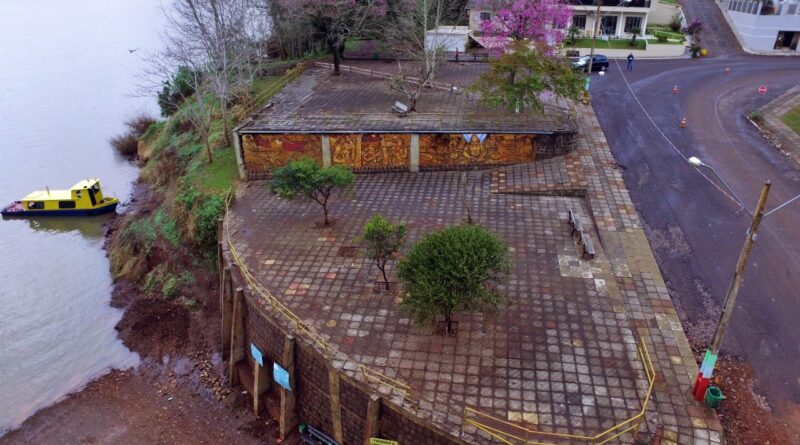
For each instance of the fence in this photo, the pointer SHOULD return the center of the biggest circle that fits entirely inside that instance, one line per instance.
(328, 350)
(513, 434)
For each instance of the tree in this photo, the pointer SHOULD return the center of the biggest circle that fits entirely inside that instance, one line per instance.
(520, 78)
(335, 20)
(693, 29)
(540, 22)
(572, 34)
(453, 270)
(306, 178)
(383, 240)
(406, 32)
(175, 91)
(634, 32)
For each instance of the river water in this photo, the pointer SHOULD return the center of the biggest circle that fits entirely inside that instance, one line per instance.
(66, 84)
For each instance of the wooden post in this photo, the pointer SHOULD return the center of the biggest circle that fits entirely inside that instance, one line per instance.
(733, 290)
(237, 335)
(226, 307)
(260, 386)
(288, 416)
(372, 422)
(336, 405)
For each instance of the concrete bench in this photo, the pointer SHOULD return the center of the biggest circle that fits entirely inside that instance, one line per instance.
(400, 108)
(575, 222)
(588, 246)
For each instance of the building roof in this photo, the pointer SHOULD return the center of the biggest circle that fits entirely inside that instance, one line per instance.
(358, 101)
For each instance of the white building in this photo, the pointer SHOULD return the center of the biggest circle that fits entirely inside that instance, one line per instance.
(447, 38)
(617, 17)
(765, 25)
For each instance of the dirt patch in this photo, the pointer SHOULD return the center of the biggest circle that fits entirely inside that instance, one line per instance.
(745, 414)
(154, 327)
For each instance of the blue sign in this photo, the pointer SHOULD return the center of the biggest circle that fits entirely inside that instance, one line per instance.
(281, 376)
(257, 356)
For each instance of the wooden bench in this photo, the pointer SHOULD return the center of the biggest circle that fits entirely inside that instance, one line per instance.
(400, 108)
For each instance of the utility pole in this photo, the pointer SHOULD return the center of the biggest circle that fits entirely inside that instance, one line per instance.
(710, 359)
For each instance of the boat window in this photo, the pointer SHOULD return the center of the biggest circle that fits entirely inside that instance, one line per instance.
(35, 205)
(66, 204)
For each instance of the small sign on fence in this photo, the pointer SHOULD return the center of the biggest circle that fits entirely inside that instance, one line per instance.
(257, 356)
(281, 376)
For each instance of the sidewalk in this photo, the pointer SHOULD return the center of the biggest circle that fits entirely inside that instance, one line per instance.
(787, 140)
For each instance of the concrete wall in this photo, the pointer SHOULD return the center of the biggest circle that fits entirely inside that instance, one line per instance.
(759, 32)
(449, 38)
(654, 51)
(260, 153)
(662, 13)
(332, 400)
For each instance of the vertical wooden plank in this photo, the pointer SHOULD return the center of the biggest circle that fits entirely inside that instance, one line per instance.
(336, 405)
(237, 335)
(372, 421)
(288, 417)
(260, 387)
(226, 308)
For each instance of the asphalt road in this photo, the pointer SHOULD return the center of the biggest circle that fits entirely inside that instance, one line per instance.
(694, 228)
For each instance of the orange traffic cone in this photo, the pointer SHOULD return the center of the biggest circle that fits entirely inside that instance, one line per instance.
(683, 123)
(675, 89)
(727, 70)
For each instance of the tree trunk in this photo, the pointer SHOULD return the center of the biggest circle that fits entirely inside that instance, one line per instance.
(208, 148)
(413, 106)
(225, 130)
(337, 59)
(385, 280)
(325, 211)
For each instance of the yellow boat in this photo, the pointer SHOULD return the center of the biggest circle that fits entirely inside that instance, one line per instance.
(83, 199)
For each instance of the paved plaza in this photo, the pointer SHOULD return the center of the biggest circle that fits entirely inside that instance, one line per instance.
(560, 357)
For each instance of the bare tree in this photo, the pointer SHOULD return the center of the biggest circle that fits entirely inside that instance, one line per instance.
(334, 21)
(407, 34)
(215, 32)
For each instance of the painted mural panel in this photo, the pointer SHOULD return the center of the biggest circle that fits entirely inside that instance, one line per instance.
(473, 148)
(263, 152)
(370, 150)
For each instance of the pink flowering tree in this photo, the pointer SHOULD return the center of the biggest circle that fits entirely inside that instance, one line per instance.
(541, 22)
(334, 21)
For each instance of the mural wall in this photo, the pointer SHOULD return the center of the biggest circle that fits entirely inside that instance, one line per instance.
(374, 152)
(470, 149)
(263, 152)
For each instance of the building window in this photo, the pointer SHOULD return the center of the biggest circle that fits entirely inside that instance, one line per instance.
(579, 21)
(633, 22)
(66, 204)
(486, 16)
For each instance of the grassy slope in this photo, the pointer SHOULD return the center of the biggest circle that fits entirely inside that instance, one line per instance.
(170, 241)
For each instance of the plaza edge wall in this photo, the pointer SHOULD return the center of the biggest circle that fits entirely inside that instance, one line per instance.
(258, 153)
(347, 410)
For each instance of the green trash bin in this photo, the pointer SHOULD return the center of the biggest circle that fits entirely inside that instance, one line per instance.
(714, 396)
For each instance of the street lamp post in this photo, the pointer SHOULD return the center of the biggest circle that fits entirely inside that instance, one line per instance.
(596, 26)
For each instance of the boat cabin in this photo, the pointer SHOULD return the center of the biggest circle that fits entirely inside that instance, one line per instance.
(83, 195)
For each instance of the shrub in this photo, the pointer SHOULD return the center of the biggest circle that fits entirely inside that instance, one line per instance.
(171, 287)
(453, 270)
(675, 23)
(206, 214)
(139, 123)
(757, 117)
(126, 144)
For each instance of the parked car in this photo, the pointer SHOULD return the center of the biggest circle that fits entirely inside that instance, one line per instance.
(582, 64)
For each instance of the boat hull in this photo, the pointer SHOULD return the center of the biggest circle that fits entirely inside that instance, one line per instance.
(16, 210)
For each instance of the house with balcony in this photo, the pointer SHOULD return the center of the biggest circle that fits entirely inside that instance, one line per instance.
(765, 25)
(617, 17)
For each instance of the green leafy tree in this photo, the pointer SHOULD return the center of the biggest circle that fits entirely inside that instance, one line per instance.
(383, 240)
(307, 179)
(520, 78)
(453, 270)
